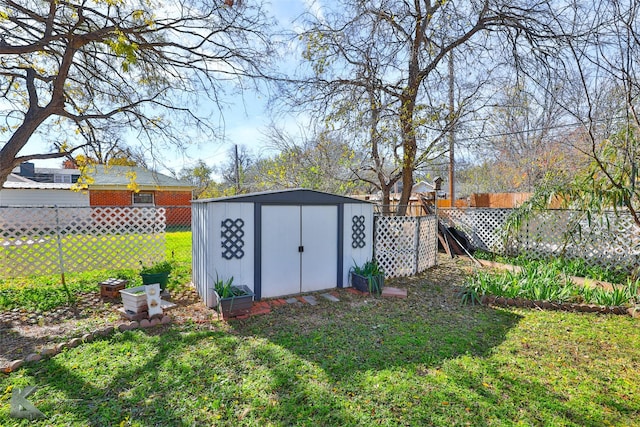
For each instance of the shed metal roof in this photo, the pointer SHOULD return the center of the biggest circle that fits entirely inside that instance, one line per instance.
(295, 196)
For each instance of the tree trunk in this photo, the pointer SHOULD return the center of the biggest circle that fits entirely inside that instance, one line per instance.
(386, 200)
(9, 152)
(409, 146)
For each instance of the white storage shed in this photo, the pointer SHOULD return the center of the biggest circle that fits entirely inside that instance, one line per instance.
(280, 243)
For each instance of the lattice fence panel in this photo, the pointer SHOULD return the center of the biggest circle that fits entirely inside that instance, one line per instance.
(427, 243)
(46, 240)
(481, 226)
(404, 245)
(611, 241)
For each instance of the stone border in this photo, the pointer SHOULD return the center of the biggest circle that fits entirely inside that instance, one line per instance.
(561, 306)
(75, 342)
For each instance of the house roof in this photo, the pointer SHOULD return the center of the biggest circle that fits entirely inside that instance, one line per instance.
(13, 177)
(290, 196)
(19, 182)
(119, 176)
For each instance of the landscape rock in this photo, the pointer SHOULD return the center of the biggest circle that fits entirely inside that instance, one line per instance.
(15, 365)
(49, 351)
(74, 342)
(33, 357)
(107, 331)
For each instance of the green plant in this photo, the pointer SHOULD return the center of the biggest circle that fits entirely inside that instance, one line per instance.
(224, 288)
(534, 282)
(158, 267)
(616, 297)
(369, 268)
(373, 273)
(471, 295)
(482, 254)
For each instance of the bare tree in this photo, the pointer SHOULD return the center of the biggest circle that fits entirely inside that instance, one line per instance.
(400, 49)
(234, 170)
(600, 62)
(74, 67)
(527, 137)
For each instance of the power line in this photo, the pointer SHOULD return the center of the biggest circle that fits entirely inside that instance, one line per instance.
(576, 124)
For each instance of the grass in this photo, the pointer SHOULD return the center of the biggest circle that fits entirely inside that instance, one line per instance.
(43, 293)
(362, 361)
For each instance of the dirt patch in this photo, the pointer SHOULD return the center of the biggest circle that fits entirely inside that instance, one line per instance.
(23, 332)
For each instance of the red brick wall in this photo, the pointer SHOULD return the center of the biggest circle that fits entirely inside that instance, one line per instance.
(175, 216)
(172, 198)
(109, 197)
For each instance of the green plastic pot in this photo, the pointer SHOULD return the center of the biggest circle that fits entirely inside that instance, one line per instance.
(161, 278)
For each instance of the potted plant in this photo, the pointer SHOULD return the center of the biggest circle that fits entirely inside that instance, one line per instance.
(156, 273)
(368, 277)
(232, 300)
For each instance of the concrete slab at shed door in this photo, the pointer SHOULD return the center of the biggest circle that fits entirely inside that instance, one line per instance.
(299, 249)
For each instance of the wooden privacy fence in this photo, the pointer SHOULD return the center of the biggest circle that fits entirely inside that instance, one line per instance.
(405, 245)
(52, 239)
(608, 240)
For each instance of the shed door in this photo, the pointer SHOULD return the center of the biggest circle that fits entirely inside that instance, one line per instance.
(320, 241)
(299, 249)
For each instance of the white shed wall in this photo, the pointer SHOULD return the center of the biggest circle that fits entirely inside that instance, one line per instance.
(242, 270)
(36, 197)
(353, 255)
(206, 220)
(200, 250)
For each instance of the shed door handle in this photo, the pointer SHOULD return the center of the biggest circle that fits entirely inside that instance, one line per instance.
(300, 249)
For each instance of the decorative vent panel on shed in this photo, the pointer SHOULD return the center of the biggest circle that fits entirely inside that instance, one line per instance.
(358, 235)
(231, 235)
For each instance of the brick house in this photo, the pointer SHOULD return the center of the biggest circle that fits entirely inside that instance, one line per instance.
(113, 186)
(106, 185)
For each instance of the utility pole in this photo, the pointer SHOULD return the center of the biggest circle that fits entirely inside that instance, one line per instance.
(237, 162)
(452, 161)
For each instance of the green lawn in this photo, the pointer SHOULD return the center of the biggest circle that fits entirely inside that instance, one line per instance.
(46, 292)
(80, 252)
(425, 360)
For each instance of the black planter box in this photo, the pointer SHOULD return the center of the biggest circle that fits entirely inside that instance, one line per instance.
(361, 283)
(236, 305)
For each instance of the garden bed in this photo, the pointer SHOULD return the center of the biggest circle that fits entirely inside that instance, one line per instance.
(580, 281)
(549, 285)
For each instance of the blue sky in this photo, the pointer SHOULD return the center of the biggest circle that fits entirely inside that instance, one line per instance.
(243, 120)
